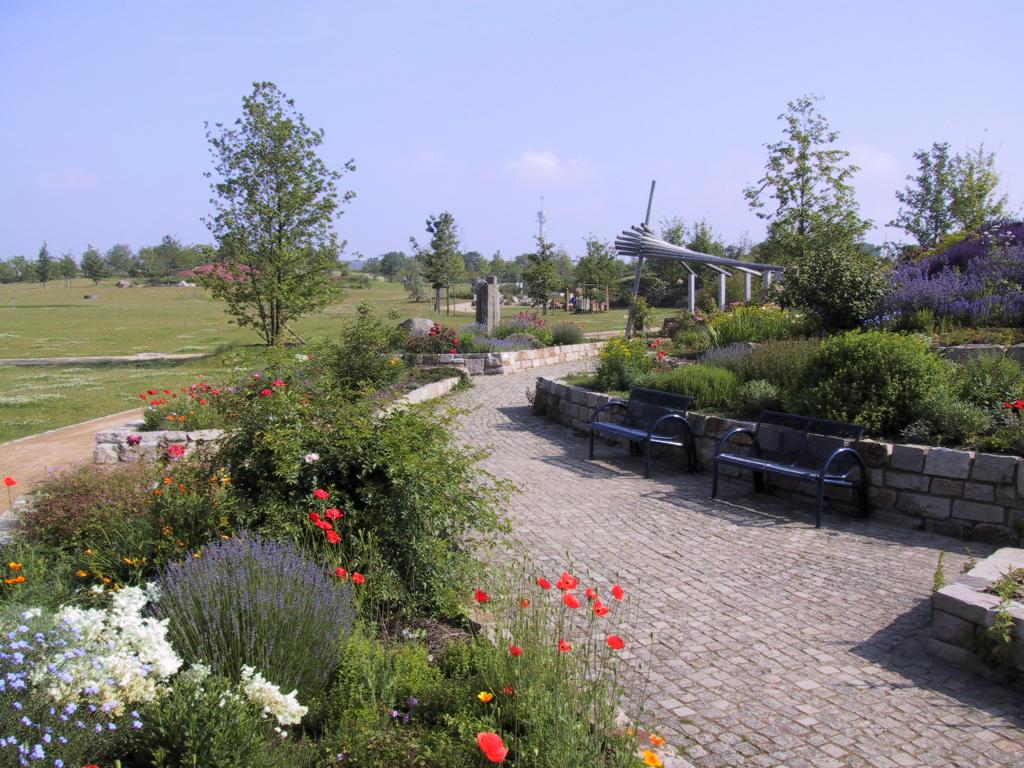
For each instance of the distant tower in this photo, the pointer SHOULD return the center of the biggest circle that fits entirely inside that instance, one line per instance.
(541, 218)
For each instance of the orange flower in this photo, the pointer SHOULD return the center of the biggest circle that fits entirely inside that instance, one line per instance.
(485, 696)
(524, 603)
(652, 759)
(14, 566)
(81, 574)
(657, 740)
(564, 645)
(617, 592)
(492, 746)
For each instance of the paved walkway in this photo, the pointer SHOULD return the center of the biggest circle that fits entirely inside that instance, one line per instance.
(774, 644)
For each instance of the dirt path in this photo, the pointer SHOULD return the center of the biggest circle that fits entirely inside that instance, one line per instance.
(28, 459)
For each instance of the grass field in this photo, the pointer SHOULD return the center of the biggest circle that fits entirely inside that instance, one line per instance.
(57, 322)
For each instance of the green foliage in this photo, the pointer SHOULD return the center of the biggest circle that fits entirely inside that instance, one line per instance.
(753, 323)
(881, 380)
(939, 579)
(93, 265)
(781, 363)
(715, 388)
(840, 288)
(925, 211)
(1005, 439)
(598, 267)
(988, 380)
(364, 354)
(44, 265)
(757, 395)
(567, 333)
(541, 276)
(641, 313)
(622, 365)
(274, 209)
(440, 340)
(442, 263)
(973, 200)
(947, 419)
(49, 579)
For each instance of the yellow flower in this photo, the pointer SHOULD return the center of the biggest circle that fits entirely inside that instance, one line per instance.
(652, 759)
(485, 696)
(106, 580)
(14, 566)
(82, 574)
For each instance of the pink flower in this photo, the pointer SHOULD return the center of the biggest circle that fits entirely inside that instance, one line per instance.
(333, 514)
(134, 439)
(176, 450)
(266, 392)
(278, 383)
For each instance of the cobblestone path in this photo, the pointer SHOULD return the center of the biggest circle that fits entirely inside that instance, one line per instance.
(774, 644)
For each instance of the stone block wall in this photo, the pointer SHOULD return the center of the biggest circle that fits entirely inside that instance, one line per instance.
(112, 444)
(955, 492)
(498, 363)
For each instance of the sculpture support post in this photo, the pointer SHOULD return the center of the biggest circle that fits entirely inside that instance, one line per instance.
(721, 290)
(639, 267)
(746, 286)
(692, 294)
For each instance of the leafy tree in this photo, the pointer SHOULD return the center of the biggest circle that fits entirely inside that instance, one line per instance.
(392, 263)
(121, 260)
(599, 267)
(499, 267)
(541, 273)
(472, 260)
(67, 268)
(23, 268)
(442, 263)
(809, 181)
(840, 289)
(925, 213)
(44, 265)
(93, 265)
(8, 274)
(973, 200)
(276, 202)
(412, 278)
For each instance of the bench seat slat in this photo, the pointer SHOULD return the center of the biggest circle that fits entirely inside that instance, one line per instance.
(764, 465)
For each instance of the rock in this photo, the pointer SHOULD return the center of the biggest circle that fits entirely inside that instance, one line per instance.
(125, 284)
(89, 297)
(993, 468)
(946, 462)
(908, 457)
(418, 324)
(982, 513)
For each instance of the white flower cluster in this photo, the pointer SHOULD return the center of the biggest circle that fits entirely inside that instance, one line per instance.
(285, 709)
(114, 658)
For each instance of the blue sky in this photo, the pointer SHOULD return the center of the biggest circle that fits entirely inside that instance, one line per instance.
(482, 107)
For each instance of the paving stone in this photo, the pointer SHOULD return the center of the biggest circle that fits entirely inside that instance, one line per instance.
(746, 600)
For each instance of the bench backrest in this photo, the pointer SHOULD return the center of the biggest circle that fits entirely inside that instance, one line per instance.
(648, 405)
(803, 441)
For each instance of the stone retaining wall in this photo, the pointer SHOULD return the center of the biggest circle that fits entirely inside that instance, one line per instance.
(112, 444)
(954, 492)
(491, 363)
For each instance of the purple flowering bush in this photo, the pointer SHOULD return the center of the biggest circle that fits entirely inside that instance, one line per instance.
(976, 281)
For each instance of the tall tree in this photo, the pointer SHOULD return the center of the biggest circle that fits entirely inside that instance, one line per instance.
(809, 180)
(67, 268)
(94, 266)
(975, 179)
(442, 262)
(121, 260)
(391, 263)
(499, 267)
(599, 269)
(44, 265)
(23, 268)
(925, 210)
(276, 201)
(541, 273)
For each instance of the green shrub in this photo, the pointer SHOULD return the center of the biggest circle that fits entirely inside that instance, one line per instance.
(881, 380)
(622, 365)
(947, 419)
(714, 388)
(988, 380)
(781, 363)
(839, 288)
(47, 573)
(642, 315)
(364, 354)
(187, 409)
(1006, 439)
(567, 333)
(757, 323)
(757, 395)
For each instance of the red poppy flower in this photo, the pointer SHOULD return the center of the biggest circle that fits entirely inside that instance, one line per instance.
(341, 573)
(508, 690)
(202, 401)
(143, 396)
(321, 494)
(277, 383)
(617, 592)
(150, 391)
(543, 583)
(358, 578)
(333, 537)
(315, 517)
(1005, 405)
(167, 391)
(570, 599)
(591, 593)
(615, 642)
(492, 746)
(524, 603)
(564, 645)
(515, 650)
(600, 609)
(481, 597)
(333, 514)
(266, 392)
(176, 451)
(324, 525)
(1019, 404)
(9, 481)
(568, 581)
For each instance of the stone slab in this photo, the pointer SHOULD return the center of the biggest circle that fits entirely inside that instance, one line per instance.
(946, 462)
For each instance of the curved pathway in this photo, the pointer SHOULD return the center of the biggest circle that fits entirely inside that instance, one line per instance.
(774, 644)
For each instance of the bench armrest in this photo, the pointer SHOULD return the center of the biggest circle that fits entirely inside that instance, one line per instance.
(684, 425)
(845, 452)
(610, 404)
(731, 434)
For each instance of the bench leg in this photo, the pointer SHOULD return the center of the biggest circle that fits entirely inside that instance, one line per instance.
(591, 442)
(758, 481)
(691, 457)
(821, 503)
(647, 458)
(714, 479)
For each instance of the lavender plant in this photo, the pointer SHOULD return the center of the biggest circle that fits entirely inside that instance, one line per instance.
(253, 602)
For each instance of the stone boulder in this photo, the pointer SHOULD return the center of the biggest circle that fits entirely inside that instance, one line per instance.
(125, 284)
(418, 324)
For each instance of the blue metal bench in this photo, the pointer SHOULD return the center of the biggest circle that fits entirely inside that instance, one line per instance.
(817, 450)
(650, 417)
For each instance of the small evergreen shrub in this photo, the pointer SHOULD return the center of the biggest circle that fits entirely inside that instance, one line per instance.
(757, 395)
(781, 363)
(881, 380)
(947, 419)
(714, 388)
(567, 333)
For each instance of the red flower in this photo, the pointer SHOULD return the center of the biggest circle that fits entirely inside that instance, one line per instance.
(1019, 405)
(1005, 405)
(492, 746)
(9, 481)
(568, 581)
(333, 537)
(600, 609)
(202, 401)
(508, 690)
(323, 525)
(515, 650)
(452, 351)
(341, 573)
(321, 494)
(266, 392)
(176, 451)
(143, 396)
(315, 517)
(333, 514)
(481, 597)
(358, 578)
(564, 645)
(570, 599)
(543, 583)
(615, 642)
(278, 383)
(524, 603)
(591, 593)
(617, 592)
(150, 391)
(167, 391)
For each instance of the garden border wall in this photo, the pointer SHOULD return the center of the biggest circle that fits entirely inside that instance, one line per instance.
(504, 363)
(112, 444)
(961, 493)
